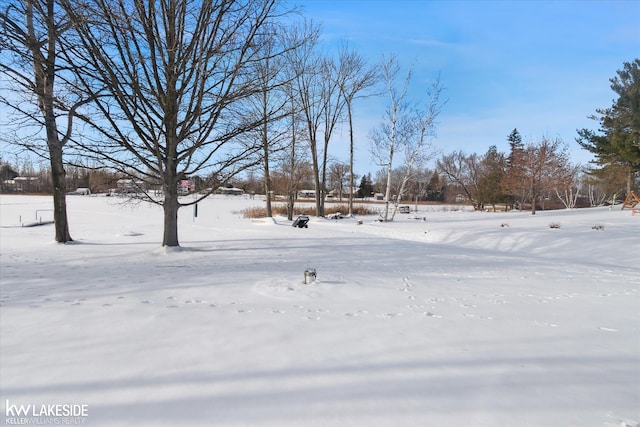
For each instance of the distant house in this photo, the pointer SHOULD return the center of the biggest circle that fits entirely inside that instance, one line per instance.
(460, 198)
(127, 185)
(186, 186)
(306, 194)
(81, 191)
(22, 183)
(230, 191)
(345, 193)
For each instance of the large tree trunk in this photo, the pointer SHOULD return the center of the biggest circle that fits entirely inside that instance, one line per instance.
(44, 68)
(292, 190)
(316, 179)
(387, 196)
(265, 148)
(267, 179)
(170, 207)
(58, 175)
(630, 176)
(267, 192)
(170, 237)
(534, 198)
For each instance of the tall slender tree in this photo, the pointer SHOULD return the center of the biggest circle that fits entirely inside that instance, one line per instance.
(271, 104)
(512, 182)
(406, 131)
(358, 77)
(388, 136)
(309, 92)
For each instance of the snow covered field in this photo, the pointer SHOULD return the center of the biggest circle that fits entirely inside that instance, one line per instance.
(465, 319)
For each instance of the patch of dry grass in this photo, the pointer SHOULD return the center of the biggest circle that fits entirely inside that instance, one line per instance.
(279, 209)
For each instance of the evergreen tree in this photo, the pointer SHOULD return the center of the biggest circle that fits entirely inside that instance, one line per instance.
(512, 183)
(516, 145)
(366, 186)
(492, 172)
(617, 142)
(435, 188)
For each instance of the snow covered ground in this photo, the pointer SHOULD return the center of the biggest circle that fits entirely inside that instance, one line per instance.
(465, 319)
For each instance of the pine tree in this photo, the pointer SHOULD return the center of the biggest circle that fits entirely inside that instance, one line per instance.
(617, 142)
(366, 186)
(516, 145)
(435, 188)
(492, 172)
(512, 180)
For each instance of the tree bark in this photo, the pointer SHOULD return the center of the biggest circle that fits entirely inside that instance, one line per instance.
(170, 206)
(58, 175)
(267, 177)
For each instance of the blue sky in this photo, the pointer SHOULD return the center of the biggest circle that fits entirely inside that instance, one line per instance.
(539, 66)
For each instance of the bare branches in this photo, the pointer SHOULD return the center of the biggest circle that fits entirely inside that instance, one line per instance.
(405, 130)
(172, 83)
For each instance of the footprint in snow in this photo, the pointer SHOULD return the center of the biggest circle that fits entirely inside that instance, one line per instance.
(430, 314)
(391, 315)
(545, 324)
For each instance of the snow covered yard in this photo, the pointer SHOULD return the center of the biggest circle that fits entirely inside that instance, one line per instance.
(465, 319)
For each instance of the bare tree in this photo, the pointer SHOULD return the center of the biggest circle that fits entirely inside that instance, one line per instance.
(478, 177)
(463, 170)
(303, 113)
(596, 196)
(567, 183)
(324, 87)
(417, 146)
(338, 174)
(358, 77)
(332, 75)
(43, 94)
(388, 136)
(308, 92)
(406, 129)
(171, 82)
(272, 103)
(540, 163)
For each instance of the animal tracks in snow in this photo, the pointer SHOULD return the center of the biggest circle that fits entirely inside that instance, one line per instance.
(405, 299)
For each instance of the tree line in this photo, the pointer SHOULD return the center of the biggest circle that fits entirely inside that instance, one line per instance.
(167, 91)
